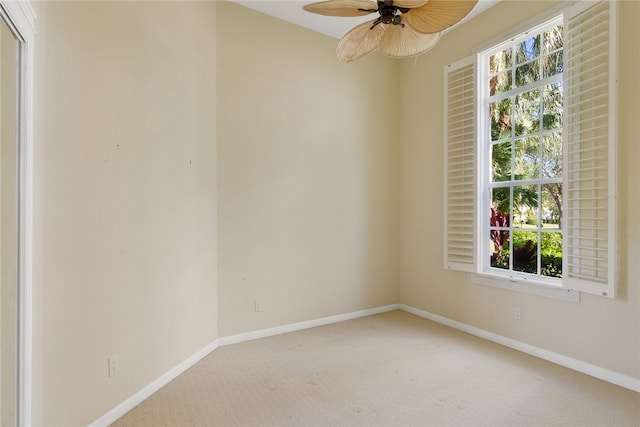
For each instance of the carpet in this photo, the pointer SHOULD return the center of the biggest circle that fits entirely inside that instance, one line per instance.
(391, 369)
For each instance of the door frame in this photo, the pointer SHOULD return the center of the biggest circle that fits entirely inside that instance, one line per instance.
(20, 17)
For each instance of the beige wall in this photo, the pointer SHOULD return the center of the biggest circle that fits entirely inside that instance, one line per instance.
(600, 331)
(171, 193)
(125, 198)
(307, 175)
(8, 225)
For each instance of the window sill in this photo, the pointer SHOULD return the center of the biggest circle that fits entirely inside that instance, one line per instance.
(527, 287)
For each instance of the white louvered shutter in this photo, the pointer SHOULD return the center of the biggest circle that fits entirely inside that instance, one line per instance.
(460, 165)
(589, 249)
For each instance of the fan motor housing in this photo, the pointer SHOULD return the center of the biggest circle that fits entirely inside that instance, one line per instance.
(389, 13)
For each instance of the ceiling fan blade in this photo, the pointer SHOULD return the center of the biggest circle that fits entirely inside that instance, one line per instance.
(399, 42)
(409, 3)
(360, 41)
(437, 15)
(342, 7)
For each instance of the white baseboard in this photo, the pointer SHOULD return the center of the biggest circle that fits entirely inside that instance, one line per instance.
(124, 407)
(263, 333)
(133, 401)
(577, 365)
(613, 377)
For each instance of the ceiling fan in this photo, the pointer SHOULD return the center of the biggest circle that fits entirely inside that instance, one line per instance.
(403, 28)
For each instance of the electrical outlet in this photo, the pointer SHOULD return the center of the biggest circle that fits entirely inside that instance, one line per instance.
(114, 365)
(517, 313)
(257, 305)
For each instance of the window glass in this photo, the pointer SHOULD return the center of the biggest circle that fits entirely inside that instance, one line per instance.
(525, 151)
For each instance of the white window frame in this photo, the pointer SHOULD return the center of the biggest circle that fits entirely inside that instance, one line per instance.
(483, 197)
(568, 289)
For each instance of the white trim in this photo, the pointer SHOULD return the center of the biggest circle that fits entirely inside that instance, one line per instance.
(608, 375)
(528, 287)
(523, 28)
(26, 232)
(577, 365)
(124, 407)
(131, 402)
(21, 17)
(509, 278)
(263, 333)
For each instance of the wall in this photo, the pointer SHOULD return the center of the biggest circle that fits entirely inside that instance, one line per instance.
(125, 199)
(326, 188)
(600, 331)
(307, 175)
(8, 225)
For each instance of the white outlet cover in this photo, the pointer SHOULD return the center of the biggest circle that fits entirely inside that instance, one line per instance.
(114, 365)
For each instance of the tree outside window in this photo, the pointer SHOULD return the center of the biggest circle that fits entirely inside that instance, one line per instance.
(525, 108)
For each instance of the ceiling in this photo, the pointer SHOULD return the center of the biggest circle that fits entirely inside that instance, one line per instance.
(291, 11)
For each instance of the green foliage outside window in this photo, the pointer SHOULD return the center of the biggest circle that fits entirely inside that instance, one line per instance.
(526, 147)
(525, 258)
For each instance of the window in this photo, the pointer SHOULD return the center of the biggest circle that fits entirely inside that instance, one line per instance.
(530, 156)
(522, 102)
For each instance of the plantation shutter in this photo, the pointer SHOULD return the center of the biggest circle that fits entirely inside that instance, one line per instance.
(589, 249)
(460, 165)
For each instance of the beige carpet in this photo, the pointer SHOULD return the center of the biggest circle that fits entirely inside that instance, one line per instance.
(393, 369)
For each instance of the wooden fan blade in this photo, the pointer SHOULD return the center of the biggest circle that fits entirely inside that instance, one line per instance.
(399, 42)
(360, 41)
(342, 7)
(409, 3)
(437, 15)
